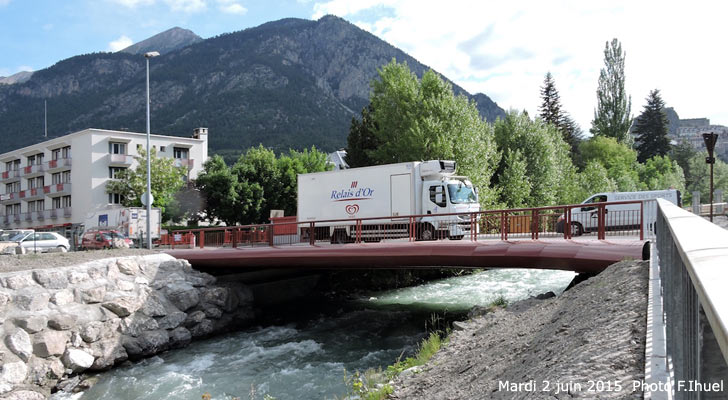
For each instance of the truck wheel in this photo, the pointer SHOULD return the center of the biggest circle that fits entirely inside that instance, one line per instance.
(576, 229)
(339, 237)
(427, 232)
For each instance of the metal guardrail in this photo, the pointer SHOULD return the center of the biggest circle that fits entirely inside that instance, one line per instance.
(566, 221)
(693, 259)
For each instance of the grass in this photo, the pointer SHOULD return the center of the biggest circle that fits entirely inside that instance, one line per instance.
(375, 384)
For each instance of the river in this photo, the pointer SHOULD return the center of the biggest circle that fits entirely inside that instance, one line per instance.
(306, 354)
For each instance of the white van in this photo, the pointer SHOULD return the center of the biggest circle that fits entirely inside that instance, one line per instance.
(618, 216)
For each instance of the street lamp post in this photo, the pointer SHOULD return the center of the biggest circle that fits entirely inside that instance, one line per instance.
(148, 195)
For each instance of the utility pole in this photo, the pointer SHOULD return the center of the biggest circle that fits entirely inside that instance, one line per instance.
(710, 139)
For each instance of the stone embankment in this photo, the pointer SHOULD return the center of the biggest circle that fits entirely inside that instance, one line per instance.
(58, 323)
(587, 343)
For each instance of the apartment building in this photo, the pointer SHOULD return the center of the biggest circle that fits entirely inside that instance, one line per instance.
(60, 184)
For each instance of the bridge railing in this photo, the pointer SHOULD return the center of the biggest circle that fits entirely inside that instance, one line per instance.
(612, 219)
(693, 260)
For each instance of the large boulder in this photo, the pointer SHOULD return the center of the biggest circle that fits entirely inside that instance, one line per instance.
(202, 329)
(50, 343)
(123, 306)
(127, 266)
(32, 323)
(19, 343)
(77, 360)
(92, 295)
(19, 281)
(25, 395)
(107, 352)
(14, 372)
(51, 278)
(62, 297)
(182, 295)
(32, 301)
(138, 323)
(173, 320)
(179, 337)
(62, 322)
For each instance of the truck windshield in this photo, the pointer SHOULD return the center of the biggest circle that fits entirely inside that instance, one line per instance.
(461, 193)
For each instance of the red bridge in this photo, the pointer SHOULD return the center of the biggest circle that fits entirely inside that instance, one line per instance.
(594, 238)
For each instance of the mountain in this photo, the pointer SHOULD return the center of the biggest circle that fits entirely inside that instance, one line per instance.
(20, 77)
(165, 42)
(286, 84)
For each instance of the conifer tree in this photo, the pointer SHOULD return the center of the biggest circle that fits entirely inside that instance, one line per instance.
(551, 113)
(651, 129)
(612, 117)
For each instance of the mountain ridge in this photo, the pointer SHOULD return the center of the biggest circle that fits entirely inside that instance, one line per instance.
(290, 83)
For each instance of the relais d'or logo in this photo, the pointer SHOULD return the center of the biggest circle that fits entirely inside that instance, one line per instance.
(353, 192)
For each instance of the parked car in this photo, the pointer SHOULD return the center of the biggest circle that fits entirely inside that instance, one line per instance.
(104, 239)
(45, 241)
(10, 239)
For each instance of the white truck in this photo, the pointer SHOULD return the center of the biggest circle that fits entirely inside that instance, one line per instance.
(131, 221)
(396, 191)
(619, 216)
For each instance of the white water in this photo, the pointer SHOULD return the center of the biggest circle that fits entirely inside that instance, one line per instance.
(307, 358)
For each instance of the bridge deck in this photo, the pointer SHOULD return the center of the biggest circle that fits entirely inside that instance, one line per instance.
(574, 255)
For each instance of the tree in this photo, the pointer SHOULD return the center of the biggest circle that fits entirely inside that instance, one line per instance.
(660, 173)
(551, 113)
(651, 129)
(549, 170)
(166, 180)
(612, 116)
(422, 119)
(618, 159)
(514, 184)
(219, 188)
(361, 140)
(682, 153)
(698, 177)
(551, 105)
(593, 179)
(257, 183)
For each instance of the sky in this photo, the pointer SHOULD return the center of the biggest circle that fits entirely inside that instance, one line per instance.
(500, 48)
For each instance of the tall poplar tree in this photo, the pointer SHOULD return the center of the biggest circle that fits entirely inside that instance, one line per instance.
(612, 116)
(651, 129)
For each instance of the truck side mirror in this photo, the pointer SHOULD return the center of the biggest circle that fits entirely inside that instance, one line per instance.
(438, 190)
(439, 198)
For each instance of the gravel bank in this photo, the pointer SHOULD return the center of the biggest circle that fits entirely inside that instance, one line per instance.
(10, 263)
(587, 343)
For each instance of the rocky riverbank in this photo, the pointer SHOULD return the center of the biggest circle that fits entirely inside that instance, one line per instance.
(58, 323)
(587, 343)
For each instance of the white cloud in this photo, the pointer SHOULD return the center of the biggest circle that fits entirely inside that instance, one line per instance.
(231, 7)
(4, 2)
(188, 6)
(120, 43)
(504, 49)
(134, 3)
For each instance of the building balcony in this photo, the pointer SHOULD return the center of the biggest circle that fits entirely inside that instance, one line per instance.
(9, 197)
(27, 216)
(120, 160)
(16, 218)
(61, 163)
(57, 188)
(39, 215)
(53, 214)
(67, 211)
(32, 170)
(9, 175)
(30, 194)
(7, 219)
(184, 162)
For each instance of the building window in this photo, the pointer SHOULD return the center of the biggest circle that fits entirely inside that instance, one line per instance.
(66, 152)
(12, 187)
(117, 148)
(56, 178)
(12, 165)
(66, 200)
(31, 183)
(114, 171)
(115, 198)
(38, 205)
(66, 177)
(56, 202)
(31, 160)
(9, 209)
(181, 153)
(55, 154)
(162, 149)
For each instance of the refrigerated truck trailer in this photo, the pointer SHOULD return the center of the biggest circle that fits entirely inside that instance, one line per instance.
(396, 191)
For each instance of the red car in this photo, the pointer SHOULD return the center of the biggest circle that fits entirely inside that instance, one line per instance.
(104, 239)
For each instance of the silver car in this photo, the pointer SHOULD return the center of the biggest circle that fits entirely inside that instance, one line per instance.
(44, 241)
